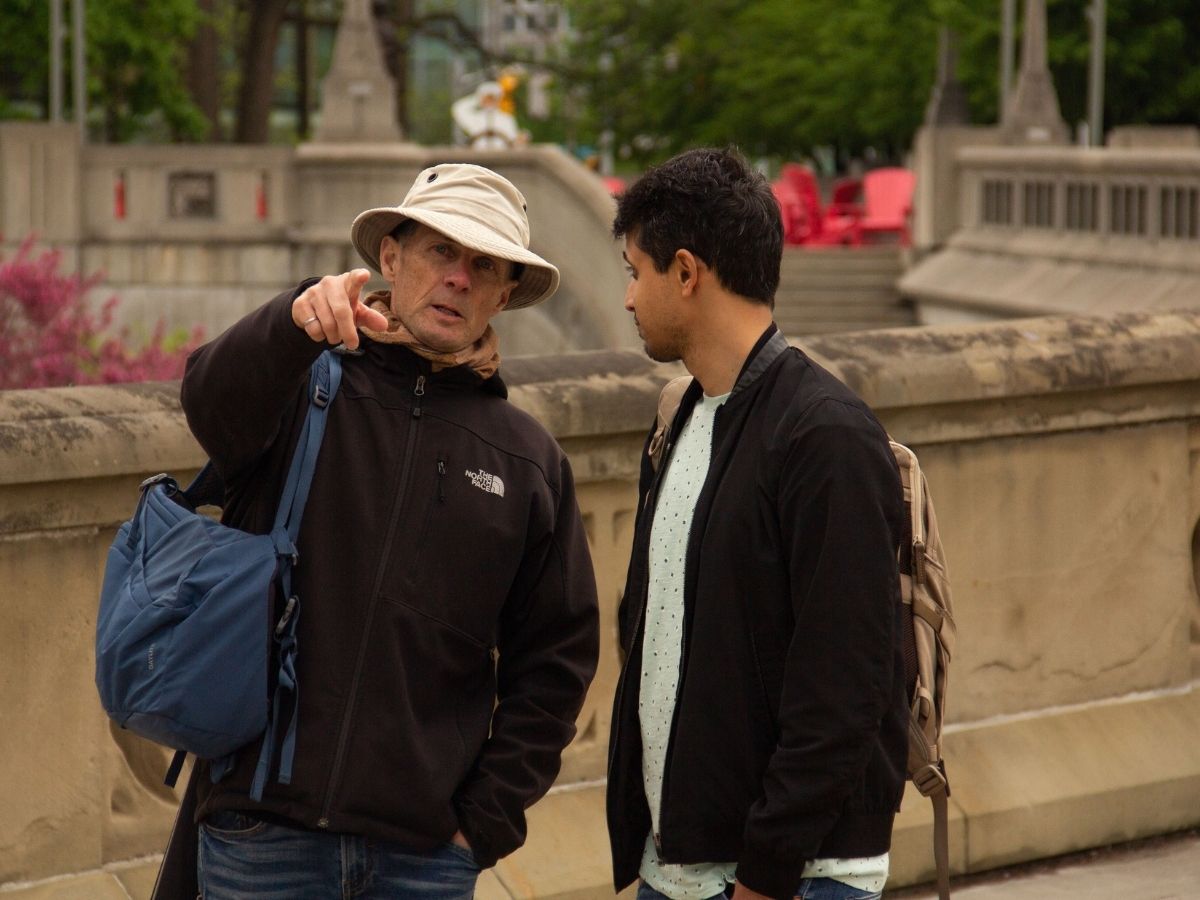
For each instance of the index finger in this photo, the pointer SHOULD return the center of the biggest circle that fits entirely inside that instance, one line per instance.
(346, 314)
(352, 283)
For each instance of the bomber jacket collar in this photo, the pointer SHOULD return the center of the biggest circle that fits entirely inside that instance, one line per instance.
(765, 351)
(768, 348)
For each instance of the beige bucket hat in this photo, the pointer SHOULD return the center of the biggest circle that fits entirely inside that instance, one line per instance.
(472, 206)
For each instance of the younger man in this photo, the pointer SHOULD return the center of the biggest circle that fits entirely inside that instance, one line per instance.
(758, 738)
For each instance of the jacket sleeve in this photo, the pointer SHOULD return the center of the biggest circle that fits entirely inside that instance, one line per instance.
(238, 387)
(840, 505)
(548, 649)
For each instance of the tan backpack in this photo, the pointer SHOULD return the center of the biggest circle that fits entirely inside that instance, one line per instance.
(928, 623)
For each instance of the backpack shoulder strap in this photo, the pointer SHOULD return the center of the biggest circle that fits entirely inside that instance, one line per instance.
(926, 593)
(324, 379)
(668, 404)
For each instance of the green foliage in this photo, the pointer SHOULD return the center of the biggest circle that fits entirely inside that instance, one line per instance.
(24, 62)
(783, 77)
(774, 76)
(136, 56)
(137, 52)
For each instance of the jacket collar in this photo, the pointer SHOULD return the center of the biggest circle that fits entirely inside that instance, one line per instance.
(765, 351)
(400, 359)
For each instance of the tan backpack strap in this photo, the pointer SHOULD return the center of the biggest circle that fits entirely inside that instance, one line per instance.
(668, 404)
(941, 844)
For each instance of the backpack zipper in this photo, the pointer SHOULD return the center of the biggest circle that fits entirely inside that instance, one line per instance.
(401, 490)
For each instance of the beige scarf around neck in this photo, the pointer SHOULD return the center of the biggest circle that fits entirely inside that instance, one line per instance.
(483, 356)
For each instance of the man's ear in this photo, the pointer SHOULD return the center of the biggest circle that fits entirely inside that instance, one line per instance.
(687, 270)
(389, 257)
(505, 295)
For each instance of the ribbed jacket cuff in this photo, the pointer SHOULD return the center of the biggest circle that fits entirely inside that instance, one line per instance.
(774, 877)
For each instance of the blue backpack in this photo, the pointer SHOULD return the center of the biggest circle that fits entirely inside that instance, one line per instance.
(183, 640)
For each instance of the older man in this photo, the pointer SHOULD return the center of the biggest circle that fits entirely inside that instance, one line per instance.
(449, 628)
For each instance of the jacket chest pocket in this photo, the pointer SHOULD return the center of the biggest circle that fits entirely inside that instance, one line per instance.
(472, 528)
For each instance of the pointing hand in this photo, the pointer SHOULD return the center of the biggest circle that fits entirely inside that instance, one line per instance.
(331, 311)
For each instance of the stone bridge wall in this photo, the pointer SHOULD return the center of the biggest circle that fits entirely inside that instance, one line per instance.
(1062, 454)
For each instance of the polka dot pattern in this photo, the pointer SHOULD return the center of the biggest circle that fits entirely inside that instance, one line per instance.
(867, 873)
(663, 639)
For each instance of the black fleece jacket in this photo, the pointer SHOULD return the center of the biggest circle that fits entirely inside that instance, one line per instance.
(788, 741)
(448, 628)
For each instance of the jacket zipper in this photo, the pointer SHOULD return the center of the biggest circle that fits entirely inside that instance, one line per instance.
(401, 490)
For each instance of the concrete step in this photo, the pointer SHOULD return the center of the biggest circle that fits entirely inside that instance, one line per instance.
(839, 259)
(838, 279)
(850, 297)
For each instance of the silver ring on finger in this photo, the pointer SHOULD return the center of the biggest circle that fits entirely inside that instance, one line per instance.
(309, 321)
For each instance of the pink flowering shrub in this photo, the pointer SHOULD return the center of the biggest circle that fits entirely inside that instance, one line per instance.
(49, 336)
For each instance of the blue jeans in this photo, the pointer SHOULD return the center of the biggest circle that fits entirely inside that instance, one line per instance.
(243, 857)
(810, 889)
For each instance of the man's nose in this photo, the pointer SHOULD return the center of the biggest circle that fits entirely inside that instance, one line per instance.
(629, 297)
(458, 276)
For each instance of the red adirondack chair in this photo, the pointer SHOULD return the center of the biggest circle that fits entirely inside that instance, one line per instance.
(887, 203)
(799, 203)
(841, 215)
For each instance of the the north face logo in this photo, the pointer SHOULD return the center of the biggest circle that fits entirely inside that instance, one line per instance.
(485, 481)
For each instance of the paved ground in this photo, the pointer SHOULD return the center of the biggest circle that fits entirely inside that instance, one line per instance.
(1163, 868)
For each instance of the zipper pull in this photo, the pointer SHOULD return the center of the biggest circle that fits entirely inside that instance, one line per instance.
(441, 467)
(418, 392)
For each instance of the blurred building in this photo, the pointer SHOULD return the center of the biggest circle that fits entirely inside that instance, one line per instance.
(508, 31)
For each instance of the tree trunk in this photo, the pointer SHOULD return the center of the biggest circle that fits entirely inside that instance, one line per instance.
(203, 71)
(394, 20)
(258, 71)
(403, 26)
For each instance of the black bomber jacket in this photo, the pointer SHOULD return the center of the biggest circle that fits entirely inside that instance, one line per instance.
(448, 622)
(788, 741)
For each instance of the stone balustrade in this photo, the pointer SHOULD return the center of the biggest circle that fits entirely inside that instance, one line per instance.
(201, 234)
(1054, 230)
(1132, 197)
(1063, 457)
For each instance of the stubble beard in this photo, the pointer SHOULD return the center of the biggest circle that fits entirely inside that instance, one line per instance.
(660, 355)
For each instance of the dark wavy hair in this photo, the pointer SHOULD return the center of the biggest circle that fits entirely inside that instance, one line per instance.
(712, 203)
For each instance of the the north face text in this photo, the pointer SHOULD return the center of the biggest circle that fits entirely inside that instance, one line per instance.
(485, 481)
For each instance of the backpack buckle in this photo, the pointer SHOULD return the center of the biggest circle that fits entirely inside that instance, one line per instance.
(155, 479)
(931, 779)
(320, 396)
(287, 615)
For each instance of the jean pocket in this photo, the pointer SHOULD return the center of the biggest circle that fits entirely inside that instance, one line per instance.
(464, 854)
(232, 825)
(831, 889)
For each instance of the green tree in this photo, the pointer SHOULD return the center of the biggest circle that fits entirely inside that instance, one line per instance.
(774, 76)
(783, 77)
(1152, 59)
(137, 57)
(136, 53)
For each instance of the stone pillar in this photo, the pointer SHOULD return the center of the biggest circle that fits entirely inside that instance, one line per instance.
(41, 186)
(358, 101)
(1032, 115)
(946, 130)
(948, 100)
